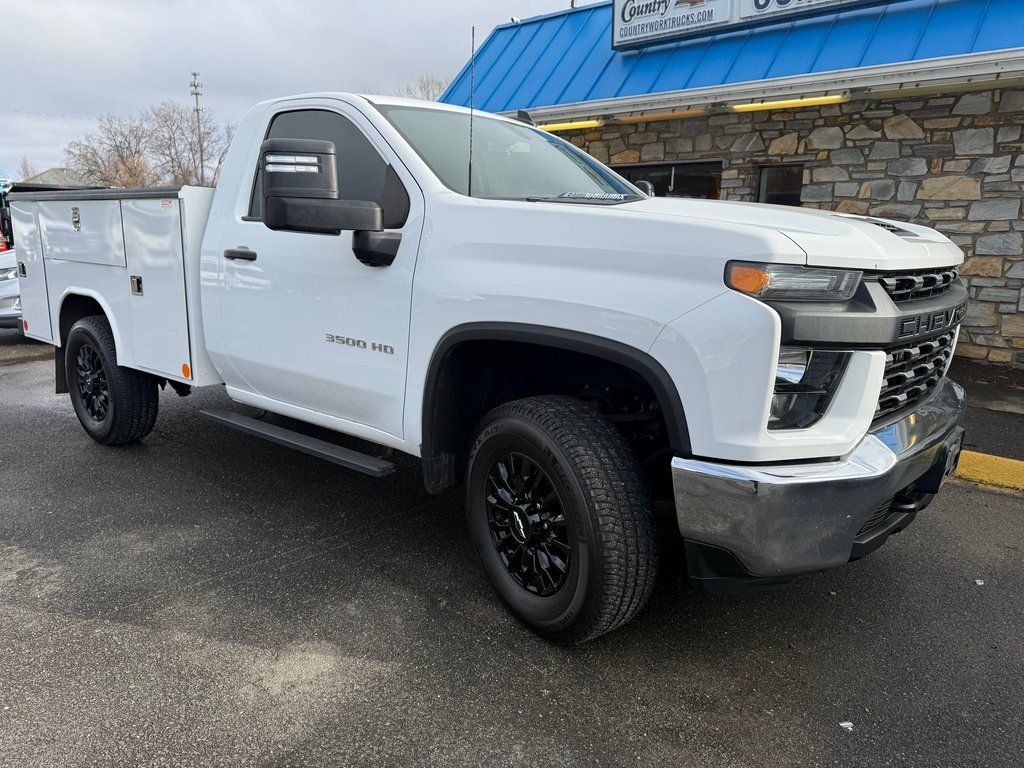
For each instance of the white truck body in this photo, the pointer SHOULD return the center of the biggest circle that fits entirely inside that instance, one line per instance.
(92, 244)
(307, 331)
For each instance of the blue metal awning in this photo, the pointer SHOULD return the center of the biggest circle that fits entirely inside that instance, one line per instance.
(566, 57)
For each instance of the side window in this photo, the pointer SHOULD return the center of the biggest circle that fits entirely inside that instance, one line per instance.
(362, 172)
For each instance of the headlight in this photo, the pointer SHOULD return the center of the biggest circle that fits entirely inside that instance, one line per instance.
(9, 274)
(786, 282)
(805, 381)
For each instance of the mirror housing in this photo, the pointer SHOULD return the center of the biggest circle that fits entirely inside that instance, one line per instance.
(645, 186)
(326, 217)
(300, 190)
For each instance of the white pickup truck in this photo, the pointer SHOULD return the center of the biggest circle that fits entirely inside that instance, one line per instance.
(577, 355)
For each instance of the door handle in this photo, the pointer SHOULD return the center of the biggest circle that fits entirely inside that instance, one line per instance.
(242, 254)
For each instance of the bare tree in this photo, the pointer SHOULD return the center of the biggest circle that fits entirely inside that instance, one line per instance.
(159, 146)
(116, 154)
(227, 132)
(426, 87)
(25, 169)
(176, 136)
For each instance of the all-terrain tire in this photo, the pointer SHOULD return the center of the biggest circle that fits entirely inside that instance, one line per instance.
(609, 531)
(115, 405)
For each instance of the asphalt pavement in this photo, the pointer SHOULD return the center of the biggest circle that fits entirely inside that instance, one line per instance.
(15, 348)
(206, 598)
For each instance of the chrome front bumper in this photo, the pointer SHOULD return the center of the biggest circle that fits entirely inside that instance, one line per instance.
(779, 521)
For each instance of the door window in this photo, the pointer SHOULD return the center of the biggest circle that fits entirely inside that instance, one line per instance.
(362, 173)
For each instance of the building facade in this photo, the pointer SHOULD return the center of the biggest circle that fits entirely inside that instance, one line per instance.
(945, 152)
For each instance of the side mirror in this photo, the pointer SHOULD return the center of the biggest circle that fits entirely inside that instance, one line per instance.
(645, 186)
(300, 190)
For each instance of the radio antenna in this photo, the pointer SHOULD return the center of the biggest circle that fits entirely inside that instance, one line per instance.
(472, 96)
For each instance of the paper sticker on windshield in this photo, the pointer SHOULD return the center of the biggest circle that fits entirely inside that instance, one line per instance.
(593, 196)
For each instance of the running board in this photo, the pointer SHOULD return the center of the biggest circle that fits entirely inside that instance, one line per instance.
(336, 454)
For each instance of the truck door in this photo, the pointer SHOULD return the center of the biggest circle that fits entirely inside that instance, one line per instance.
(304, 322)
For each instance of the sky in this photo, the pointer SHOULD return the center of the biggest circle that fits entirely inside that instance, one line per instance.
(65, 62)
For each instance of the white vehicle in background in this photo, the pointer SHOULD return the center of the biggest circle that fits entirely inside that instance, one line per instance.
(532, 327)
(10, 292)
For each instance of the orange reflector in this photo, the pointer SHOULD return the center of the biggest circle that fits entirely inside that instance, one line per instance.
(748, 278)
(186, 372)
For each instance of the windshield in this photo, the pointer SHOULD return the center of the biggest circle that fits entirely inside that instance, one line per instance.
(510, 161)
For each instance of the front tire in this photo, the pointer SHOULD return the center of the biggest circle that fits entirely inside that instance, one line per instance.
(559, 511)
(115, 405)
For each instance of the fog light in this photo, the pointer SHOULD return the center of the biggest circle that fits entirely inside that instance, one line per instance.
(805, 381)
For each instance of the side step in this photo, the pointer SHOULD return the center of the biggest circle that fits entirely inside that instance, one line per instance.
(335, 454)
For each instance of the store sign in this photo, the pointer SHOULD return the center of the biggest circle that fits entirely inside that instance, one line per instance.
(647, 22)
(759, 9)
(642, 21)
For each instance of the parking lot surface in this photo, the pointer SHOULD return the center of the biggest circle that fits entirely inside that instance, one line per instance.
(15, 348)
(209, 599)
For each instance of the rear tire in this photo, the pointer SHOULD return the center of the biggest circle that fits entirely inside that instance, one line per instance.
(115, 405)
(559, 510)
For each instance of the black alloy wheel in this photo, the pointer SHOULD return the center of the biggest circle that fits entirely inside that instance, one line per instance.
(91, 382)
(527, 524)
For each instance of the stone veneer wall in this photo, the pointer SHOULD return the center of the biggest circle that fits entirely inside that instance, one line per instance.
(955, 163)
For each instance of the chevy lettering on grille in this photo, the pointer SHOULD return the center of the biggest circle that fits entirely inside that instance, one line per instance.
(931, 322)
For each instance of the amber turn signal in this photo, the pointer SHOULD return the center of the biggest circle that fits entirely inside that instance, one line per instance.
(748, 278)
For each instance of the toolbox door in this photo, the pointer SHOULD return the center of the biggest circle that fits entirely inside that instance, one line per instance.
(83, 231)
(156, 280)
(35, 303)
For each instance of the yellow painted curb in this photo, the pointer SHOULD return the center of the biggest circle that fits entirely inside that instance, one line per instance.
(991, 470)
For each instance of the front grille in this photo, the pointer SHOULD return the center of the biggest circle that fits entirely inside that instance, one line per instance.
(919, 284)
(912, 372)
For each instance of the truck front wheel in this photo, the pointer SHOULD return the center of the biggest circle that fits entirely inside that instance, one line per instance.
(559, 511)
(115, 405)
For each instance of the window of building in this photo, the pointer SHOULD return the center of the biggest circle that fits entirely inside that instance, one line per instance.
(781, 184)
(362, 173)
(701, 180)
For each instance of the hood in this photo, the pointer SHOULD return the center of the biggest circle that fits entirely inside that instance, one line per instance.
(828, 239)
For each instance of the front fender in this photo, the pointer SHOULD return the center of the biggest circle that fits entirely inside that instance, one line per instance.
(722, 359)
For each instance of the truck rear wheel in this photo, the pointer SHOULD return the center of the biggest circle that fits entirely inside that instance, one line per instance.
(559, 511)
(115, 405)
